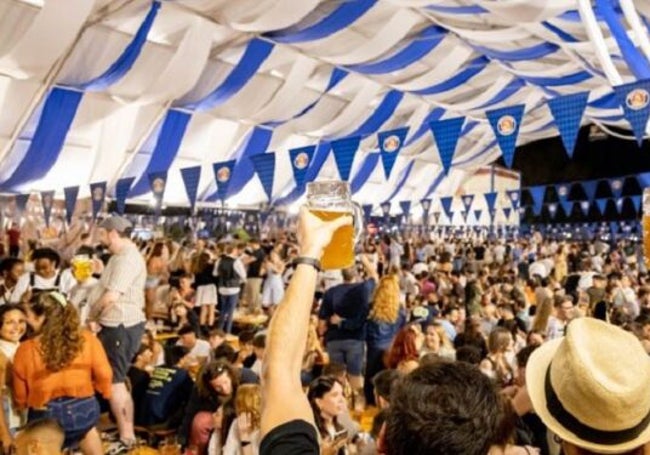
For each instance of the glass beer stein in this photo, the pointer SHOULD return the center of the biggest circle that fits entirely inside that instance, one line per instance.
(82, 267)
(329, 200)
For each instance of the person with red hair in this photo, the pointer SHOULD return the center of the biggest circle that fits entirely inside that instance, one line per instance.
(404, 353)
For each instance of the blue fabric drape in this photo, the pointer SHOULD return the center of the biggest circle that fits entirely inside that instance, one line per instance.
(97, 195)
(567, 112)
(169, 138)
(569, 79)
(125, 61)
(365, 171)
(434, 115)
(528, 53)
(70, 195)
(402, 179)
(56, 118)
(636, 61)
(346, 14)
(445, 134)
(472, 69)
(460, 10)
(264, 165)
(256, 53)
(418, 48)
(191, 177)
(513, 87)
(434, 185)
(382, 113)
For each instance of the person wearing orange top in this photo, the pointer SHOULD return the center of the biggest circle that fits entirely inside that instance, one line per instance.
(57, 372)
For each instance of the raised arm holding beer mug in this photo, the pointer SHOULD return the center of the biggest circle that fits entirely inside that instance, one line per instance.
(326, 237)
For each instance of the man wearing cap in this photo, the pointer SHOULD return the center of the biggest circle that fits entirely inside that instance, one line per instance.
(118, 307)
(590, 388)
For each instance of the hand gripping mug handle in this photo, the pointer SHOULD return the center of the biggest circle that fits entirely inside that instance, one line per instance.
(357, 214)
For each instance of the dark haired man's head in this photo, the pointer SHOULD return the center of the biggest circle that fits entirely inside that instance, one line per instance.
(444, 408)
(468, 354)
(225, 352)
(383, 383)
(246, 337)
(174, 354)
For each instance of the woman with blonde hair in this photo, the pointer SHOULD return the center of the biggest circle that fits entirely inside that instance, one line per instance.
(57, 372)
(543, 313)
(387, 316)
(244, 435)
(436, 341)
(496, 365)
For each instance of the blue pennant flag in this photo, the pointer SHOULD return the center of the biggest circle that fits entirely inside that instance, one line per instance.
(426, 205)
(390, 143)
(21, 202)
(344, 151)
(97, 196)
(157, 183)
(619, 205)
(515, 198)
(467, 201)
(191, 177)
(367, 212)
(552, 210)
(562, 191)
(568, 111)
(613, 227)
(602, 205)
(47, 199)
(567, 206)
(477, 215)
(264, 164)
(643, 179)
(505, 123)
(590, 187)
(222, 175)
(406, 208)
(300, 161)
(537, 193)
(584, 206)
(617, 187)
(122, 188)
(445, 134)
(436, 217)
(70, 195)
(385, 208)
(635, 100)
(491, 200)
(264, 216)
(506, 212)
(636, 201)
(463, 215)
(445, 202)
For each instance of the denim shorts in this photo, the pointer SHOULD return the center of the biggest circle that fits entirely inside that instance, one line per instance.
(77, 416)
(350, 353)
(121, 345)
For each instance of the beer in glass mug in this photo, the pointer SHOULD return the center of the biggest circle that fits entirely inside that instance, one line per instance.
(329, 200)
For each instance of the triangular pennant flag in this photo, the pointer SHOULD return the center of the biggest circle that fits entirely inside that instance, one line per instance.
(264, 216)
(619, 205)
(602, 205)
(406, 208)
(367, 212)
(568, 111)
(613, 227)
(21, 202)
(47, 199)
(616, 186)
(506, 212)
(122, 188)
(70, 195)
(264, 164)
(636, 201)
(390, 143)
(567, 206)
(467, 200)
(643, 179)
(477, 215)
(222, 175)
(463, 215)
(562, 191)
(590, 187)
(97, 195)
(426, 205)
(537, 193)
(344, 151)
(552, 210)
(436, 217)
(191, 177)
(445, 202)
(584, 206)
(505, 123)
(445, 134)
(300, 161)
(515, 198)
(635, 100)
(491, 200)
(157, 183)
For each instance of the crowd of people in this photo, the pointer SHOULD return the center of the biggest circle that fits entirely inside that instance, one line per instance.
(452, 345)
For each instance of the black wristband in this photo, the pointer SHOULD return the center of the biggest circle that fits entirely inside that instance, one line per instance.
(315, 263)
(244, 443)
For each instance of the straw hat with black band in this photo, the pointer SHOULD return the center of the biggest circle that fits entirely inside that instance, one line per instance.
(592, 387)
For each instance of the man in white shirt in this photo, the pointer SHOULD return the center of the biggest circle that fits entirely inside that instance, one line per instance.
(45, 277)
(198, 349)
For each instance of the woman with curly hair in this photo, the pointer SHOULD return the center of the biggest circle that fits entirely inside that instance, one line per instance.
(12, 329)
(404, 354)
(386, 317)
(244, 436)
(57, 372)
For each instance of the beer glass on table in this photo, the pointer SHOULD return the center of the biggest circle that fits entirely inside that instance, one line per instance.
(329, 200)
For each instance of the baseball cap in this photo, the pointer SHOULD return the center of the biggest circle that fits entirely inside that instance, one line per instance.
(115, 223)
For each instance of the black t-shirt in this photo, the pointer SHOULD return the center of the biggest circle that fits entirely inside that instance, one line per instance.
(296, 437)
(255, 266)
(479, 251)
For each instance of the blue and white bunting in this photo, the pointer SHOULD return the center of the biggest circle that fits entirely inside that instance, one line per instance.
(122, 188)
(445, 203)
(506, 212)
(367, 212)
(562, 191)
(491, 201)
(406, 208)
(537, 193)
(390, 143)
(21, 202)
(300, 161)
(157, 183)
(584, 206)
(344, 151)
(477, 215)
(636, 202)
(191, 178)
(552, 209)
(567, 111)
(70, 195)
(602, 205)
(467, 201)
(634, 98)
(567, 206)
(47, 199)
(514, 196)
(590, 187)
(445, 134)
(616, 185)
(505, 123)
(223, 175)
(264, 164)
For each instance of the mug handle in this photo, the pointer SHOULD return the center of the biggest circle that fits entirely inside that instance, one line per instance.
(357, 214)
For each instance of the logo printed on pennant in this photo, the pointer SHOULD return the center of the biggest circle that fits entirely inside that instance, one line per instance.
(301, 161)
(506, 125)
(98, 194)
(563, 191)
(158, 185)
(391, 143)
(47, 200)
(637, 99)
(223, 174)
(617, 184)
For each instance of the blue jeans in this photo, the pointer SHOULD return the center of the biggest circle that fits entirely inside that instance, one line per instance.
(374, 364)
(349, 353)
(228, 305)
(77, 416)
